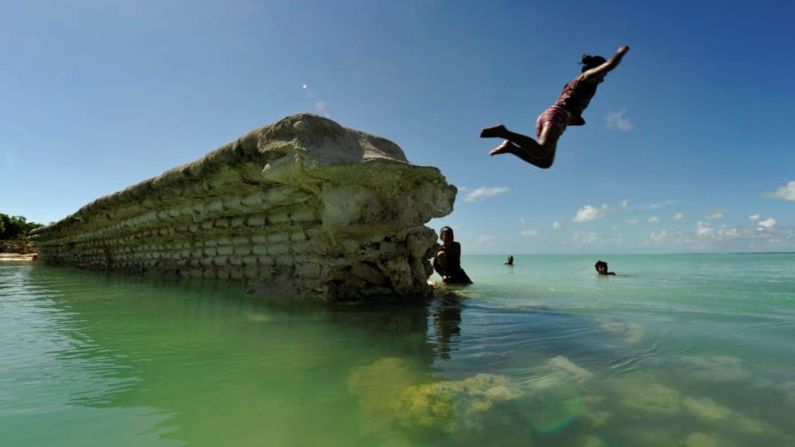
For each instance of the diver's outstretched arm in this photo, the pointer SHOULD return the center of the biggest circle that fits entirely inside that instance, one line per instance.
(610, 64)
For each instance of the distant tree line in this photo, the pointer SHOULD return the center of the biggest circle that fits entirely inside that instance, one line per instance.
(15, 228)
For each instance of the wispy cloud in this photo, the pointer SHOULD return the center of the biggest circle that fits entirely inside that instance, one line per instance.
(767, 223)
(624, 204)
(679, 216)
(716, 214)
(704, 229)
(754, 217)
(589, 213)
(654, 219)
(586, 237)
(557, 225)
(658, 237)
(617, 120)
(529, 232)
(786, 192)
(484, 192)
(484, 240)
(655, 205)
(632, 221)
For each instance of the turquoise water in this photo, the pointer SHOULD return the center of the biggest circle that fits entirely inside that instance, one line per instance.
(676, 350)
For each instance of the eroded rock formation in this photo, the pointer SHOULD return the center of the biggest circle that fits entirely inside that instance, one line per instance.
(300, 207)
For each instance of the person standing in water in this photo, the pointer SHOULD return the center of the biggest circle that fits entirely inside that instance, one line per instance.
(567, 111)
(447, 261)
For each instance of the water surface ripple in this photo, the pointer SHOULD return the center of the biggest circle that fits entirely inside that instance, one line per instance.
(676, 350)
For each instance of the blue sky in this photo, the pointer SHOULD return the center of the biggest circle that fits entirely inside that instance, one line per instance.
(688, 146)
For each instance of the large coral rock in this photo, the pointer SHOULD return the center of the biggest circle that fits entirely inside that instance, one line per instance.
(300, 207)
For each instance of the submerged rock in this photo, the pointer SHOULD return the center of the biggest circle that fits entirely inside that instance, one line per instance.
(631, 332)
(700, 440)
(706, 409)
(651, 399)
(392, 393)
(379, 387)
(591, 441)
(455, 406)
(303, 207)
(564, 364)
(722, 368)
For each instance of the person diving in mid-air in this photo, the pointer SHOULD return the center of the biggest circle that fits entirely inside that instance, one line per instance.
(567, 111)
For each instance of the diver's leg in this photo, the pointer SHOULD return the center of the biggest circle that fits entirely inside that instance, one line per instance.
(500, 131)
(541, 153)
(549, 142)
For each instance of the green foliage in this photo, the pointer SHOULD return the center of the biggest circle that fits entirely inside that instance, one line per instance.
(14, 228)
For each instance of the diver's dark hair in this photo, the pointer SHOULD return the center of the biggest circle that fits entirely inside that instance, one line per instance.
(588, 62)
(447, 229)
(600, 263)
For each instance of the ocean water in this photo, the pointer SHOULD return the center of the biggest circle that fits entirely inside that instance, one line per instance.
(675, 350)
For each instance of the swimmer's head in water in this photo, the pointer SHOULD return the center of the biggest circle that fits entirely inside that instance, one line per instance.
(601, 267)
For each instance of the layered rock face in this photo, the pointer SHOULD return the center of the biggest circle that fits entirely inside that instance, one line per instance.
(302, 207)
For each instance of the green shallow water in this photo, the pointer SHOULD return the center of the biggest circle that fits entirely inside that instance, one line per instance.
(677, 350)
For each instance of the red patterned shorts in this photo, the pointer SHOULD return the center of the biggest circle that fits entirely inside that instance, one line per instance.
(555, 116)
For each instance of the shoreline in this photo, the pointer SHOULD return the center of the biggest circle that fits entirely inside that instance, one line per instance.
(29, 257)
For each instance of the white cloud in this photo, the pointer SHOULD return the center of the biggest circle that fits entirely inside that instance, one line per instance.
(767, 223)
(656, 205)
(557, 225)
(617, 120)
(589, 213)
(730, 232)
(625, 204)
(716, 214)
(484, 239)
(632, 221)
(754, 217)
(484, 192)
(679, 216)
(786, 192)
(529, 232)
(658, 237)
(704, 229)
(654, 219)
(586, 237)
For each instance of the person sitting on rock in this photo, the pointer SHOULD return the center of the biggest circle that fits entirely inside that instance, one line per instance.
(447, 262)
(601, 268)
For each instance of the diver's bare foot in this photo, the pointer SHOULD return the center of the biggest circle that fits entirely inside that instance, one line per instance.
(493, 132)
(504, 148)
